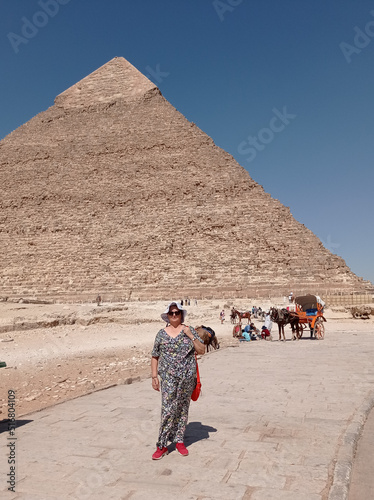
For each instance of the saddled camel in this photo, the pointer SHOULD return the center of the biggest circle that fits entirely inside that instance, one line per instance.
(208, 336)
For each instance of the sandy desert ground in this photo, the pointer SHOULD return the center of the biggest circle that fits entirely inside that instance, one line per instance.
(56, 352)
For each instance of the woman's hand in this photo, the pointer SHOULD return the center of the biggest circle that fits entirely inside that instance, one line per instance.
(154, 369)
(188, 333)
(199, 347)
(155, 383)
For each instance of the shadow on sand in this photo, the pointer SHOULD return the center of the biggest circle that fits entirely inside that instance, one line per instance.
(4, 424)
(195, 431)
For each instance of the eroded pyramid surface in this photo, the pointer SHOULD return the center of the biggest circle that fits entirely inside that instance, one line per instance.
(112, 190)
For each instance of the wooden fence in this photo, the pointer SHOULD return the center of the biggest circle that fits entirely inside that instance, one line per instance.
(353, 299)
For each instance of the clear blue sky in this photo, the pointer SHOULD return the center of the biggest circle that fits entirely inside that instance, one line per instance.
(231, 67)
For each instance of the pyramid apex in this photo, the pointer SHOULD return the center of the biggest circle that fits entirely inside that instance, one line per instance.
(116, 80)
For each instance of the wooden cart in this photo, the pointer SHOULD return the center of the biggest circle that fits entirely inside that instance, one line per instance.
(309, 308)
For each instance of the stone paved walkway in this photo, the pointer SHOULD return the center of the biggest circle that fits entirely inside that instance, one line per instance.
(277, 421)
(362, 481)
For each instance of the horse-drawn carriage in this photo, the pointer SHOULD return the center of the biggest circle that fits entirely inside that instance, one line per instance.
(309, 309)
(308, 313)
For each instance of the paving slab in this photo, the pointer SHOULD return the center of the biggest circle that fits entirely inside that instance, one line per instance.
(276, 421)
(362, 482)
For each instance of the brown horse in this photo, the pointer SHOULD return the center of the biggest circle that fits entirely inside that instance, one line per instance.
(242, 315)
(208, 336)
(283, 317)
(232, 315)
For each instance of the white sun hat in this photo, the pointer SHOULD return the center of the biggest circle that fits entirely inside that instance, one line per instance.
(164, 315)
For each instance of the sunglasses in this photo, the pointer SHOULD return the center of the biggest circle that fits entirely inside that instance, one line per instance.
(174, 313)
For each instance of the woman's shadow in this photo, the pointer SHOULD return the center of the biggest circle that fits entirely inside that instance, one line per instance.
(196, 431)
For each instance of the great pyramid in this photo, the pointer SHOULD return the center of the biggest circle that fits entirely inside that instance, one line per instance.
(113, 191)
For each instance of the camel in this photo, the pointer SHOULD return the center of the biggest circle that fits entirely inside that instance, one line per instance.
(208, 336)
(237, 330)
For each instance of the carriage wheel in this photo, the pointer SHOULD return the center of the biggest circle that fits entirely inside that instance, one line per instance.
(319, 329)
(301, 330)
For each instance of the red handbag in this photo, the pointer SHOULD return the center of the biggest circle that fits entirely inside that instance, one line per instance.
(197, 391)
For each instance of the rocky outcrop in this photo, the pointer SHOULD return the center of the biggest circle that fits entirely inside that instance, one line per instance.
(113, 191)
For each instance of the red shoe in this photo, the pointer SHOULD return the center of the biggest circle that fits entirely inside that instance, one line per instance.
(182, 449)
(159, 453)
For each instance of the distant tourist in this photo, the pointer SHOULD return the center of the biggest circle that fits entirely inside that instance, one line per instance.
(245, 336)
(251, 328)
(268, 323)
(222, 316)
(265, 333)
(173, 359)
(98, 300)
(290, 297)
(249, 332)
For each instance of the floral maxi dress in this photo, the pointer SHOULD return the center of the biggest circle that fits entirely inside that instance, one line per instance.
(177, 369)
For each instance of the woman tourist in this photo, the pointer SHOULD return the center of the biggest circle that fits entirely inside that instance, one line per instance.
(173, 358)
(222, 316)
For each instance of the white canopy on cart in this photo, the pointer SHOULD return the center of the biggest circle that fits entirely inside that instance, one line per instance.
(309, 301)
